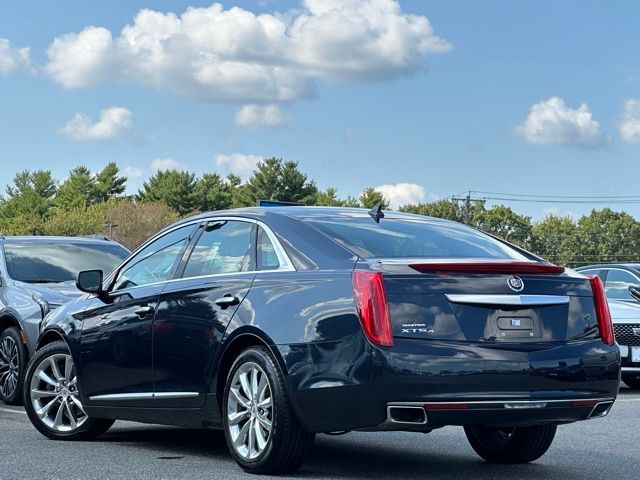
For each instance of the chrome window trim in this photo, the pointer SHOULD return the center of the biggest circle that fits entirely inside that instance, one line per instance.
(286, 265)
(142, 396)
(524, 300)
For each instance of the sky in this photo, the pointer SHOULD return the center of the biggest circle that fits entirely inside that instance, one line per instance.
(422, 99)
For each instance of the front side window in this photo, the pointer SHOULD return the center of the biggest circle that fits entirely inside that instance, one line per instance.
(618, 283)
(57, 262)
(155, 262)
(223, 247)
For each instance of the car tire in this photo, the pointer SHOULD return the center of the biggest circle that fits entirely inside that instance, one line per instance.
(632, 382)
(264, 401)
(52, 401)
(13, 363)
(510, 445)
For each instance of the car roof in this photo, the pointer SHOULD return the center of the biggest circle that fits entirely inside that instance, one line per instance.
(56, 239)
(631, 266)
(302, 212)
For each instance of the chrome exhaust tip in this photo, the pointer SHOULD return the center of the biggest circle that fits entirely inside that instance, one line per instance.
(406, 415)
(601, 409)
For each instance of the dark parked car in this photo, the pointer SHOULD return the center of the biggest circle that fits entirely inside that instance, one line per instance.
(37, 274)
(622, 285)
(275, 324)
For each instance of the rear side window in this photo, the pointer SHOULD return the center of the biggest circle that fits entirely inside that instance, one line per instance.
(414, 238)
(267, 257)
(223, 247)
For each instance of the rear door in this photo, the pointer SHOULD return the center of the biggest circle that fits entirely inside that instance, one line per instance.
(195, 309)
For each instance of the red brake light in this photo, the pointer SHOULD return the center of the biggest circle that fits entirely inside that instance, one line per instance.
(373, 309)
(489, 267)
(605, 324)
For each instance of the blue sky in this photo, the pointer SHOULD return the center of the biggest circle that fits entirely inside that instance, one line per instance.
(533, 98)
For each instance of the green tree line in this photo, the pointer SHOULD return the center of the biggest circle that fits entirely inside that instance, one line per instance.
(86, 203)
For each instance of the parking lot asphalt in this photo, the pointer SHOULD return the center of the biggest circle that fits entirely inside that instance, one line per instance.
(596, 449)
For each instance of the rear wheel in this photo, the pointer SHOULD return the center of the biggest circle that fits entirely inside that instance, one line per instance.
(511, 445)
(13, 362)
(52, 397)
(632, 381)
(261, 429)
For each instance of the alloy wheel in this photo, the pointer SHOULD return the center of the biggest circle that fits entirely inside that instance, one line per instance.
(9, 367)
(250, 411)
(54, 394)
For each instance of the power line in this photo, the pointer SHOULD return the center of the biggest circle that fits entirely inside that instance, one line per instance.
(469, 197)
(586, 197)
(562, 201)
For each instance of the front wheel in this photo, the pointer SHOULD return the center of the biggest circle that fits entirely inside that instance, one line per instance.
(511, 445)
(52, 397)
(261, 429)
(13, 362)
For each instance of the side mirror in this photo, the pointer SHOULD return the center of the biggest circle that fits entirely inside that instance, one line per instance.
(90, 281)
(634, 291)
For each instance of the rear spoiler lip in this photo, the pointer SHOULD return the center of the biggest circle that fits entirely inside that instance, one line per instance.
(529, 268)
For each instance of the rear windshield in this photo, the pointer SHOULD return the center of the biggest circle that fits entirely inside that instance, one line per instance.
(37, 262)
(414, 238)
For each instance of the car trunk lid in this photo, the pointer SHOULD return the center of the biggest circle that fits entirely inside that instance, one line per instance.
(490, 302)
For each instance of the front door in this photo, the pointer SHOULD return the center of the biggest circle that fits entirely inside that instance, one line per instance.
(116, 354)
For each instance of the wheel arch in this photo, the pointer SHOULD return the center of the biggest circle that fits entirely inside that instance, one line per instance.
(8, 320)
(50, 336)
(236, 343)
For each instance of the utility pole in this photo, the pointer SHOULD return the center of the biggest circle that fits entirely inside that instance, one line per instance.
(467, 205)
(111, 226)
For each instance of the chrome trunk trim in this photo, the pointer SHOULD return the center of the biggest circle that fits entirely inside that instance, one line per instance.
(511, 300)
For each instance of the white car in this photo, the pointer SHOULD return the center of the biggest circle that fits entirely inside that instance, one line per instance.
(626, 325)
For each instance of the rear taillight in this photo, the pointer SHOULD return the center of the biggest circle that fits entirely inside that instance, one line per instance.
(605, 326)
(373, 309)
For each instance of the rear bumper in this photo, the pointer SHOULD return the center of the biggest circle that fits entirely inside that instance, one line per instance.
(493, 413)
(349, 385)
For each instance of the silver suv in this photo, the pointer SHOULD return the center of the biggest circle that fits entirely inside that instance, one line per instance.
(37, 274)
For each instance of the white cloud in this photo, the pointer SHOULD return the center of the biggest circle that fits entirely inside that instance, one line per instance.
(78, 60)
(12, 58)
(237, 163)
(630, 121)
(234, 55)
(161, 164)
(114, 122)
(551, 122)
(402, 194)
(133, 172)
(262, 116)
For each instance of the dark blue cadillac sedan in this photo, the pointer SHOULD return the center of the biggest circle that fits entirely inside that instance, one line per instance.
(275, 324)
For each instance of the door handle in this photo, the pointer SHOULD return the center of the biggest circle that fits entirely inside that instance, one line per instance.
(144, 311)
(227, 301)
